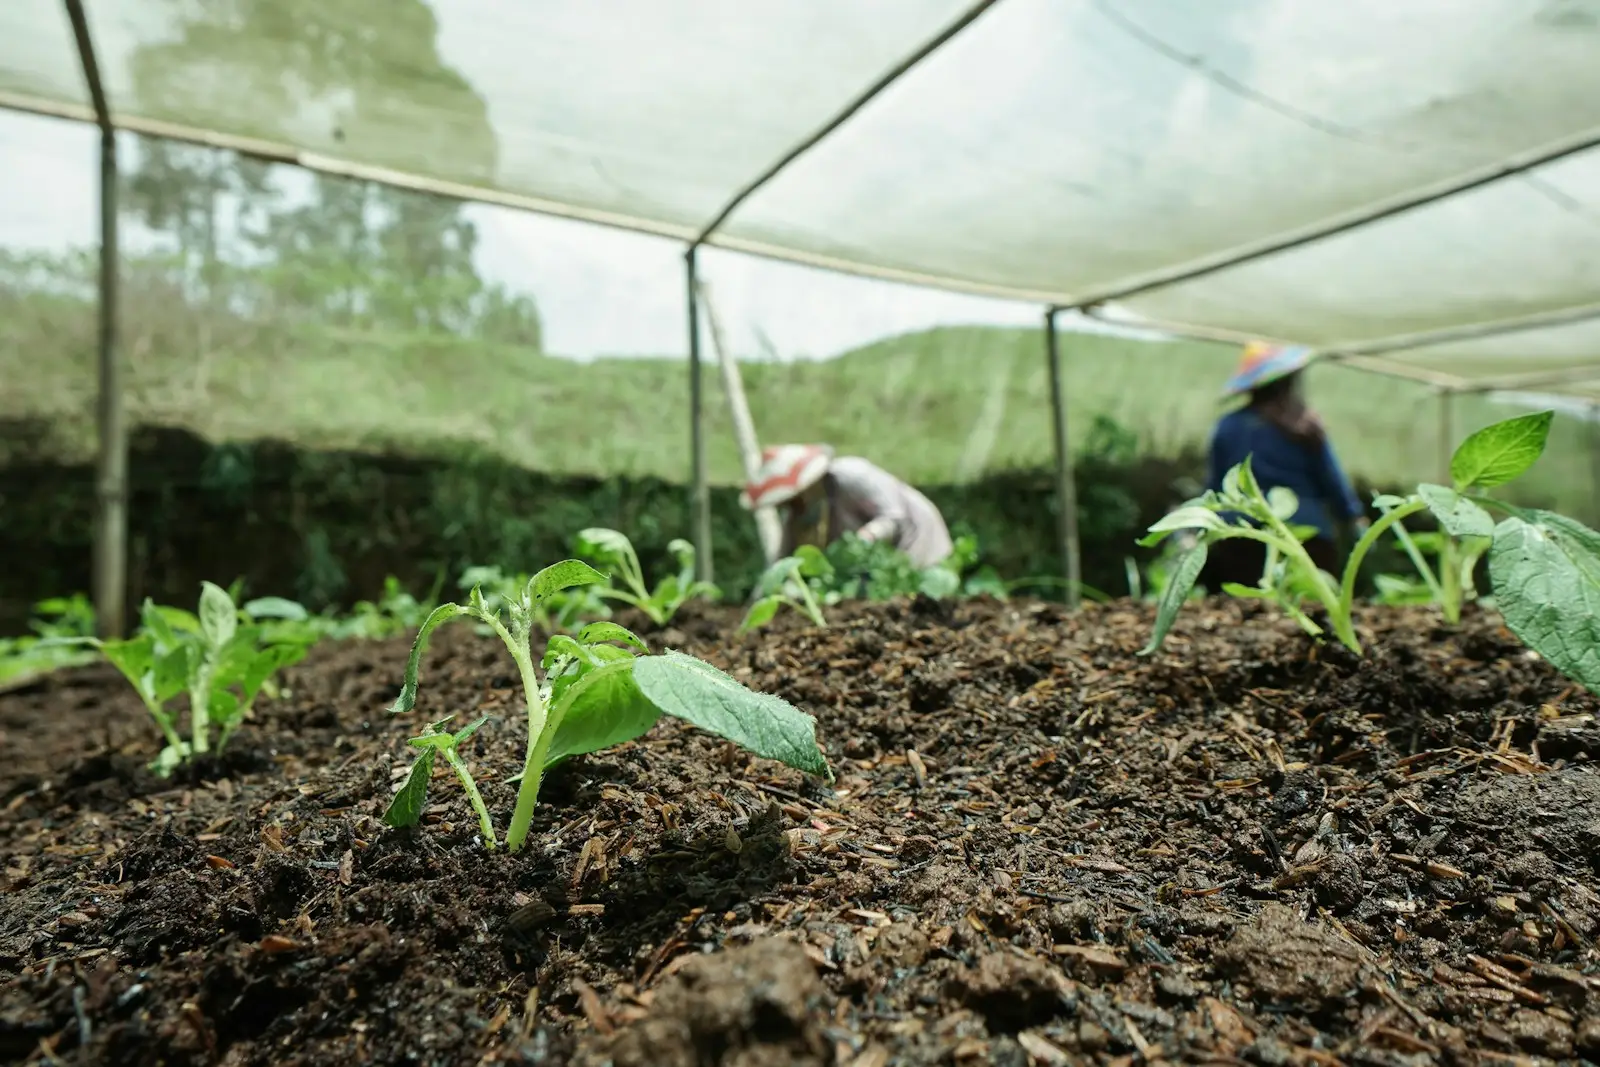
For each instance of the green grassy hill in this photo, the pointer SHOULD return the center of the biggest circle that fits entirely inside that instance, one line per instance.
(941, 405)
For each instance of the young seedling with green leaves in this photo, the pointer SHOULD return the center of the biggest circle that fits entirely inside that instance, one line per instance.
(564, 612)
(221, 664)
(1544, 568)
(786, 583)
(599, 688)
(611, 548)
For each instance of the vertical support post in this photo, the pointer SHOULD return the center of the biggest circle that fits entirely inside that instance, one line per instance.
(1066, 487)
(699, 487)
(768, 525)
(1447, 433)
(111, 465)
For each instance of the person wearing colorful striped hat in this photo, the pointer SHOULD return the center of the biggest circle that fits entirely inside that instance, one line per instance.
(1288, 447)
(822, 497)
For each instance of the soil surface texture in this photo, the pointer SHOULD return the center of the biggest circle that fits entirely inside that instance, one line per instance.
(1041, 849)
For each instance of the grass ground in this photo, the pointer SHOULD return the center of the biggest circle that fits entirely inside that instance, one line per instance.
(941, 405)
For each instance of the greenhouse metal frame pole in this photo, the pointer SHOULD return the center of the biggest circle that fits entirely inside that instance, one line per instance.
(111, 465)
(1066, 484)
(699, 485)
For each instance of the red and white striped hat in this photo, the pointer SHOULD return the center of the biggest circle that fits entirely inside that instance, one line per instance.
(786, 472)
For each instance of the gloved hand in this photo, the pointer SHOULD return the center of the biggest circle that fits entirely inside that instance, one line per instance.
(879, 529)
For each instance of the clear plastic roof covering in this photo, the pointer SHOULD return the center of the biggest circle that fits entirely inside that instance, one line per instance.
(1338, 174)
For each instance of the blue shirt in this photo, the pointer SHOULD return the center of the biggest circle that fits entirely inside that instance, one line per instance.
(1278, 460)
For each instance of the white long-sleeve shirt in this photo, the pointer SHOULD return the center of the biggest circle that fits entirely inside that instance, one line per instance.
(870, 502)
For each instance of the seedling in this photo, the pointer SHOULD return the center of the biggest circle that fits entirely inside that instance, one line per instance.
(785, 583)
(599, 688)
(221, 664)
(406, 807)
(613, 549)
(1289, 577)
(1544, 568)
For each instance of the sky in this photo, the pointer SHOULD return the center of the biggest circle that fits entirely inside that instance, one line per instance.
(601, 292)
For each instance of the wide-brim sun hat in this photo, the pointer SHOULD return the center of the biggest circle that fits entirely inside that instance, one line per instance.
(1262, 363)
(786, 471)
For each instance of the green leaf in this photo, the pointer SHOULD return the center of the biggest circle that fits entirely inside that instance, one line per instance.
(1248, 592)
(223, 708)
(218, 617)
(813, 563)
(604, 708)
(156, 622)
(1184, 575)
(471, 728)
(1459, 516)
(706, 697)
(1546, 579)
(408, 689)
(1496, 454)
(265, 663)
(1230, 481)
(1387, 501)
(761, 612)
(596, 632)
(559, 576)
(561, 645)
(1191, 517)
(1283, 502)
(406, 807)
(134, 658)
(276, 607)
(776, 576)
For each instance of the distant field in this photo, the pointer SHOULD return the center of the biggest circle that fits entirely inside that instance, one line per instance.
(940, 405)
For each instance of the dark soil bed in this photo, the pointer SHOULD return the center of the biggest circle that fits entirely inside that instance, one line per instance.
(1041, 849)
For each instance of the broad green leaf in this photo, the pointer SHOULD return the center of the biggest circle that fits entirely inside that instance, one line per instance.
(1459, 516)
(406, 807)
(171, 673)
(408, 689)
(813, 563)
(601, 541)
(1546, 579)
(155, 621)
(276, 607)
(596, 632)
(559, 576)
(223, 708)
(604, 708)
(706, 697)
(134, 658)
(218, 617)
(1184, 575)
(1188, 518)
(1283, 502)
(267, 662)
(938, 583)
(1496, 454)
(761, 612)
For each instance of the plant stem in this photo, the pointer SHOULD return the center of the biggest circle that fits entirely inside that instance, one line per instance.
(1450, 571)
(1290, 546)
(533, 765)
(1440, 591)
(1352, 566)
(473, 796)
